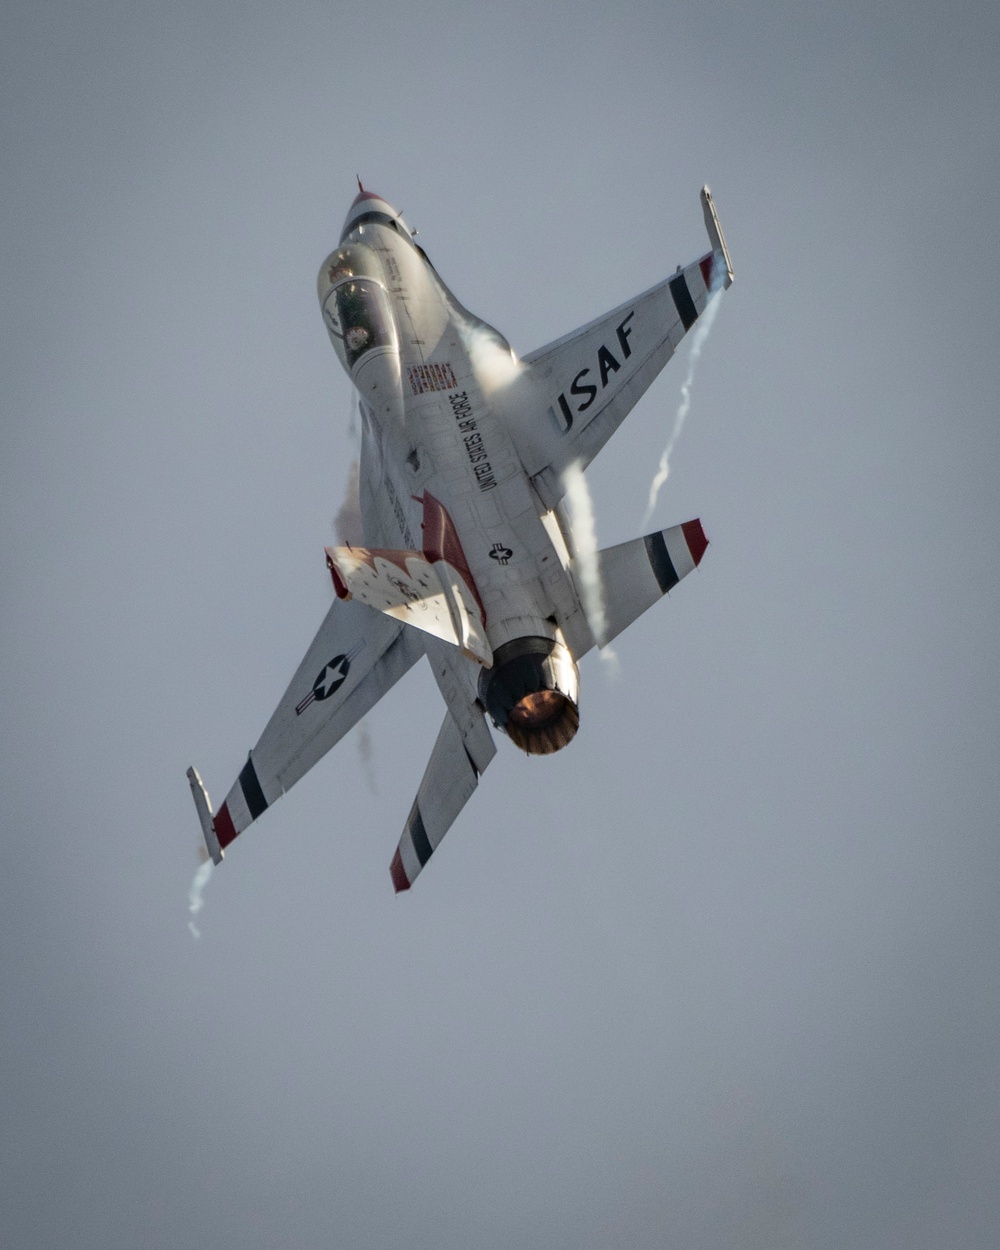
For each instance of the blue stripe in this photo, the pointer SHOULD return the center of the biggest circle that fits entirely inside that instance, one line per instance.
(421, 843)
(660, 561)
(682, 299)
(254, 795)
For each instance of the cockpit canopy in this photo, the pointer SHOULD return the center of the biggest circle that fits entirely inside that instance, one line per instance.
(356, 307)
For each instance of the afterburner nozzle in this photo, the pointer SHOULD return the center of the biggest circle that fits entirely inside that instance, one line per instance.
(531, 692)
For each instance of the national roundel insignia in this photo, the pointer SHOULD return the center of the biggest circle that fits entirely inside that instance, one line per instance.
(328, 682)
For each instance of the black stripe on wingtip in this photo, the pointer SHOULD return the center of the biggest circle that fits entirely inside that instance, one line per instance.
(421, 843)
(682, 299)
(254, 795)
(660, 561)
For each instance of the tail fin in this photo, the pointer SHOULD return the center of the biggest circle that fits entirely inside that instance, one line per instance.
(432, 589)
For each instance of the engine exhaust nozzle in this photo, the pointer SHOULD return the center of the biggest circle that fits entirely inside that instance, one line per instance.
(531, 693)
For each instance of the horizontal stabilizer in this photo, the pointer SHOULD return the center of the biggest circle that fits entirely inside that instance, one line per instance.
(634, 575)
(458, 684)
(448, 784)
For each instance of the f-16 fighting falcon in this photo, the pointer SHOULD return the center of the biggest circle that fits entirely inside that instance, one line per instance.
(464, 457)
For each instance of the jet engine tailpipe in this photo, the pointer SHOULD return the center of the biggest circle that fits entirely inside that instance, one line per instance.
(531, 693)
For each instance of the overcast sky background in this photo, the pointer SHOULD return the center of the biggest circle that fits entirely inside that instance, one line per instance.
(725, 971)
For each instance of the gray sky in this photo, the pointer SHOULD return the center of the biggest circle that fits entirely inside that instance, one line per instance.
(724, 972)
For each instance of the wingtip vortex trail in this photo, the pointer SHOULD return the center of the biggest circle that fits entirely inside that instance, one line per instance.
(584, 525)
(196, 899)
(702, 331)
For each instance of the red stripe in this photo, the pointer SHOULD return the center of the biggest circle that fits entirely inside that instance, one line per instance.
(695, 538)
(705, 265)
(398, 873)
(224, 828)
(441, 542)
(338, 582)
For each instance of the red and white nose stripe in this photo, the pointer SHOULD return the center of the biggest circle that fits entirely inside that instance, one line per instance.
(372, 207)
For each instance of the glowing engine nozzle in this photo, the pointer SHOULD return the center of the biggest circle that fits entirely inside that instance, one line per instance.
(531, 693)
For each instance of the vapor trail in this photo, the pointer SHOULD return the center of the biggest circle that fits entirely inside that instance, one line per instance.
(496, 365)
(366, 753)
(585, 563)
(697, 343)
(195, 895)
(347, 524)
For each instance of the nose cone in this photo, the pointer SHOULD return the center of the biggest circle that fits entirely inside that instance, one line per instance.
(367, 202)
(363, 195)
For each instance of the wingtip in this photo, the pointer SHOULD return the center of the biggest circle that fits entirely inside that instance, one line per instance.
(725, 275)
(203, 804)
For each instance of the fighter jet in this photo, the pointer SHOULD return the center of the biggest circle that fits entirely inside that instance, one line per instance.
(471, 562)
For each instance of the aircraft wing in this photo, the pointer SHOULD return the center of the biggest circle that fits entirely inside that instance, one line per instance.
(355, 658)
(591, 379)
